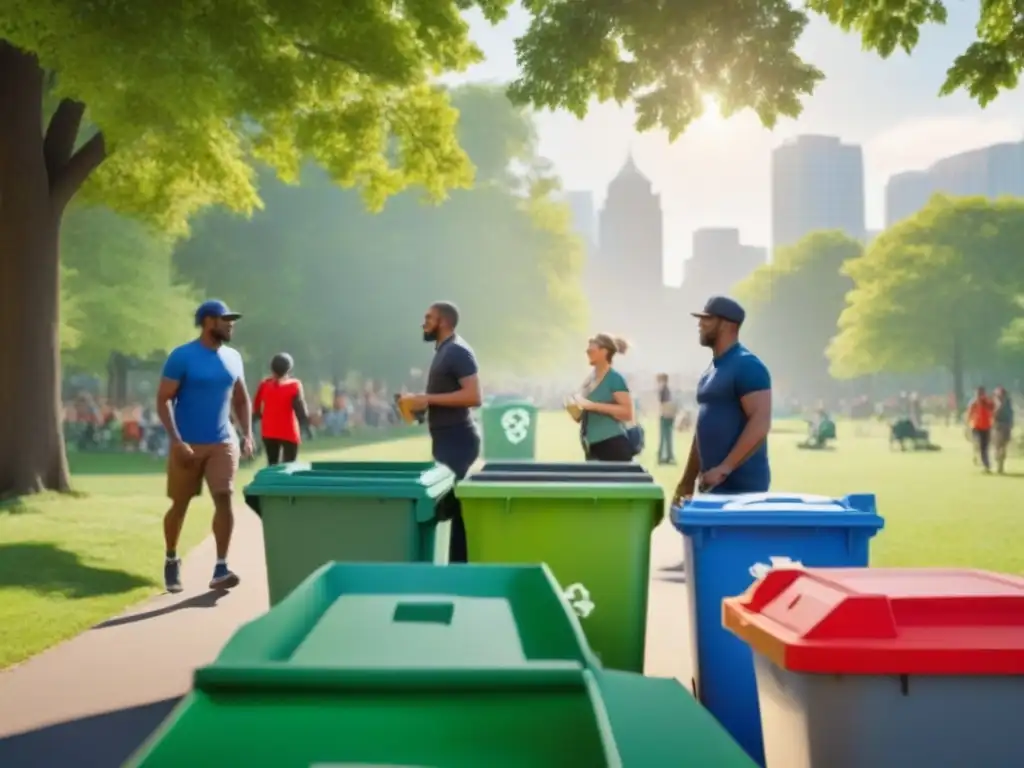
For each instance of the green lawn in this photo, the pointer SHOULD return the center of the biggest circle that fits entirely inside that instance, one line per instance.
(68, 563)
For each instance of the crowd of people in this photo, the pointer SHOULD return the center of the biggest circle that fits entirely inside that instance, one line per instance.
(205, 422)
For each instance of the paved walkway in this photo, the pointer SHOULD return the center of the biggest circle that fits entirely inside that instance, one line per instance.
(93, 700)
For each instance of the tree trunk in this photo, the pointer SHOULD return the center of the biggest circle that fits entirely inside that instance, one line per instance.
(38, 176)
(956, 367)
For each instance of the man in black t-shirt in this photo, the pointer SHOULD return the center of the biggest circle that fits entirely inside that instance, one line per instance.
(453, 388)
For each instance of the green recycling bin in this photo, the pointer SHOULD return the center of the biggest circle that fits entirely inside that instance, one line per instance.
(656, 722)
(401, 665)
(593, 529)
(509, 429)
(350, 511)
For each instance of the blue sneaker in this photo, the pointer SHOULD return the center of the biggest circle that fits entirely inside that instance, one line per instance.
(223, 578)
(172, 575)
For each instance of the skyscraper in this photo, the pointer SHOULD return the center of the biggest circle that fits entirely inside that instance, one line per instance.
(718, 262)
(631, 237)
(991, 171)
(817, 183)
(905, 194)
(628, 294)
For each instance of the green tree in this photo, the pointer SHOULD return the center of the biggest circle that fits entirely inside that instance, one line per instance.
(794, 305)
(342, 290)
(185, 97)
(936, 290)
(118, 274)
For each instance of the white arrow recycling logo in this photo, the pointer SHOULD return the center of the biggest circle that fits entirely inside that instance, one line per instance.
(760, 570)
(516, 423)
(579, 600)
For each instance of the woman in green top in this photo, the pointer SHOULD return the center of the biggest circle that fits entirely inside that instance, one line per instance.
(606, 404)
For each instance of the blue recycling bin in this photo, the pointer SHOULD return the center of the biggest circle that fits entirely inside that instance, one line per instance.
(729, 542)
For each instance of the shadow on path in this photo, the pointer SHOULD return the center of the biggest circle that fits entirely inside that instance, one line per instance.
(99, 741)
(205, 600)
(48, 569)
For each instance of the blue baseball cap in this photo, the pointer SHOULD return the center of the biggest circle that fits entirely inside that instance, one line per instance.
(215, 308)
(725, 308)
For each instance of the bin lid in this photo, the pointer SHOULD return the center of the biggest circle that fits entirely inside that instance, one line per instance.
(497, 476)
(381, 625)
(884, 621)
(305, 480)
(773, 510)
(631, 486)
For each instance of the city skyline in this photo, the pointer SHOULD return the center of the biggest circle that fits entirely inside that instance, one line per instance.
(718, 173)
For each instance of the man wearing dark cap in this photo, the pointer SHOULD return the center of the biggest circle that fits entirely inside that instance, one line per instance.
(453, 389)
(730, 444)
(202, 381)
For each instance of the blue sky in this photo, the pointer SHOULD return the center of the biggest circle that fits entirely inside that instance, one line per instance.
(717, 174)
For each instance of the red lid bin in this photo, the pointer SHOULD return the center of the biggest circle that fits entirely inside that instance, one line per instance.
(886, 668)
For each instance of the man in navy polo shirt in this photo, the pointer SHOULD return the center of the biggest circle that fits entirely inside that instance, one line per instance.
(730, 444)
(453, 388)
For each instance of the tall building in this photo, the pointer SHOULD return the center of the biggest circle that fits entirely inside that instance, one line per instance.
(718, 263)
(817, 183)
(991, 171)
(631, 237)
(627, 292)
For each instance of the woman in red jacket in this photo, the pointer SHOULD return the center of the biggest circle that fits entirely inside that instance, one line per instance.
(281, 406)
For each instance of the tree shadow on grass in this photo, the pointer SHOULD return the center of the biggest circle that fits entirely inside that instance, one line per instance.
(15, 506)
(48, 569)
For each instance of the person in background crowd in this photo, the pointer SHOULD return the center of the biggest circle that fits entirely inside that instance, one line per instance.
(280, 405)
(667, 418)
(1002, 425)
(729, 453)
(607, 405)
(201, 382)
(980, 415)
(453, 389)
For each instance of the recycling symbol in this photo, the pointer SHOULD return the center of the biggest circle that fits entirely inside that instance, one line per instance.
(760, 570)
(516, 423)
(579, 600)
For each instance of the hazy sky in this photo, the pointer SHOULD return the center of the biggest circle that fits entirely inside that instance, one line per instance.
(717, 174)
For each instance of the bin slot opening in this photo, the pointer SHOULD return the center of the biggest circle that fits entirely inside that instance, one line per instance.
(424, 613)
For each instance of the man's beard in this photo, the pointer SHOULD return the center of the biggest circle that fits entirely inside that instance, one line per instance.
(220, 335)
(707, 341)
(430, 335)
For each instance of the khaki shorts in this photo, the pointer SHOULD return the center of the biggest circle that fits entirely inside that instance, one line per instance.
(217, 463)
(1001, 435)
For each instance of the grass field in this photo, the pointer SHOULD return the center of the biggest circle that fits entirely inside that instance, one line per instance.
(69, 563)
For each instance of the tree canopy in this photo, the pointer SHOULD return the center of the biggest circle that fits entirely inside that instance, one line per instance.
(794, 303)
(119, 291)
(937, 290)
(342, 290)
(185, 100)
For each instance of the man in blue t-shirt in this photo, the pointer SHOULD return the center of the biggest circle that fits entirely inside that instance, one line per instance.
(453, 389)
(730, 444)
(202, 381)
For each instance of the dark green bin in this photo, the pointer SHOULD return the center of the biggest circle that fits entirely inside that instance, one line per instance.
(350, 511)
(463, 666)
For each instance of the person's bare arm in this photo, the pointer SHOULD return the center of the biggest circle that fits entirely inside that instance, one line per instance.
(620, 410)
(691, 472)
(758, 408)
(165, 395)
(468, 395)
(242, 407)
